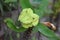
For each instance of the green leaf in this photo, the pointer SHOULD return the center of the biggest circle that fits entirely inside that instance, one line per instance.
(35, 2)
(47, 32)
(39, 12)
(10, 23)
(25, 4)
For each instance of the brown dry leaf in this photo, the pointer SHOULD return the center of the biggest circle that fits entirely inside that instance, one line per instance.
(50, 25)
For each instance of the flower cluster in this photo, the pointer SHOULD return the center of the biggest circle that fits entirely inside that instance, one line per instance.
(28, 18)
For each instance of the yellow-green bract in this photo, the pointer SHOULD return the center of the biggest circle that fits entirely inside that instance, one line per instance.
(28, 18)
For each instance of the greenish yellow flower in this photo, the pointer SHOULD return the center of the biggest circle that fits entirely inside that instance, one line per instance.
(27, 25)
(28, 18)
(35, 19)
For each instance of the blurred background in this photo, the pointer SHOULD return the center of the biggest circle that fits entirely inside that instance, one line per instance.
(12, 8)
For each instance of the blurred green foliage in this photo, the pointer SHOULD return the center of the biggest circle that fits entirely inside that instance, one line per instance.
(57, 6)
(10, 23)
(8, 1)
(7, 5)
(42, 10)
